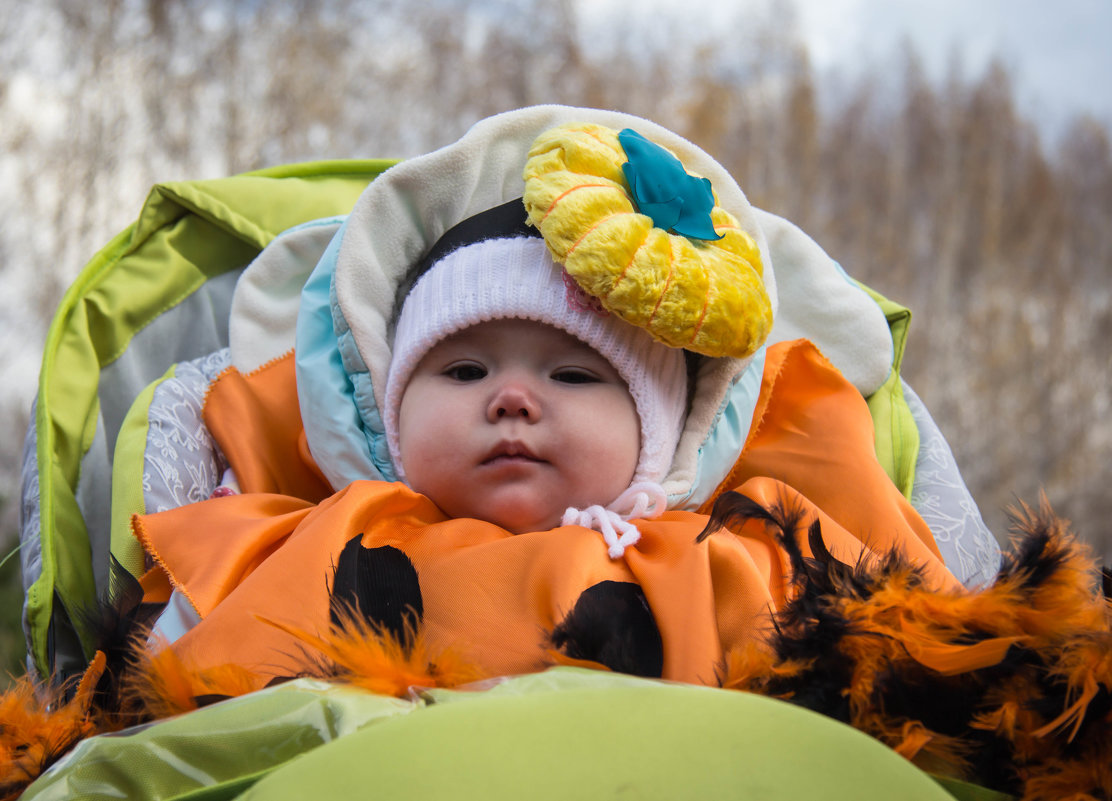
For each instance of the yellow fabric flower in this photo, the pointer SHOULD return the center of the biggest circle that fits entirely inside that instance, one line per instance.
(704, 296)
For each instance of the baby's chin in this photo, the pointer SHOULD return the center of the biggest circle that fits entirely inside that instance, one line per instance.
(519, 521)
(518, 509)
(516, 518)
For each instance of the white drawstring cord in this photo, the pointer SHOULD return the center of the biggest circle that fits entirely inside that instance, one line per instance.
(605, 522)
(643, 500)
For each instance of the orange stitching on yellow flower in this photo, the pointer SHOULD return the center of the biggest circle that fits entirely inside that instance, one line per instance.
(592, 228)
(564, 194)
(667, 283)
(628, 264)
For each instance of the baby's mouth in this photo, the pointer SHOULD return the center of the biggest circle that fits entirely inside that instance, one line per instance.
(510, 452)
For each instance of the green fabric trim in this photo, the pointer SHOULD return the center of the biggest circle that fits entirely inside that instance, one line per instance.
(186, 233)
(58, 449)
(127, 478)
(897, 435)
(359, 169)
(58, 566)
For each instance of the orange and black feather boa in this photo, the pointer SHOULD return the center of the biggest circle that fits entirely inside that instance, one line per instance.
(1009, 686)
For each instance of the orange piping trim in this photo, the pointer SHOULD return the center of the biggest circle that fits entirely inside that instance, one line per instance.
(227, 370)
(140, 534)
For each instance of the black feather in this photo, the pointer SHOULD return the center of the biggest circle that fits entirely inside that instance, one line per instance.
(381, 583)
(733, 509)
(1039, 554)
(613, 625)
(1033, 561)
(118, 617)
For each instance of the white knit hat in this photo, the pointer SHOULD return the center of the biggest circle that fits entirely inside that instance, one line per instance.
(517, 278)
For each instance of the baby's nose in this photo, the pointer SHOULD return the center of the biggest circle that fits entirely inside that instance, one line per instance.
(514, 399)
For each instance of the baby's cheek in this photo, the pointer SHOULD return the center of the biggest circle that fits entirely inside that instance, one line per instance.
(425, 468)
(618, 439)
(607, 471)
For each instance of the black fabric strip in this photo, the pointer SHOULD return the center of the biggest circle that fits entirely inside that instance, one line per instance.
(508, 221)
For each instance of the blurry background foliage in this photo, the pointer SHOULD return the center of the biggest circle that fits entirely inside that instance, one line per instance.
(937, 193)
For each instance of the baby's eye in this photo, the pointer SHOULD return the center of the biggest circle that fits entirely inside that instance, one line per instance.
(575, 375)
(466, 371)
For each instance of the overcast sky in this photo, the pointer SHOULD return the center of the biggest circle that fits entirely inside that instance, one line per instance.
(1060, 52)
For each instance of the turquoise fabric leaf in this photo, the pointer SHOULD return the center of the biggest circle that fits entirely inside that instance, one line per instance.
(664, 191)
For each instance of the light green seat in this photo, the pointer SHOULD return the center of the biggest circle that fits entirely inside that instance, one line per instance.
(566, 733)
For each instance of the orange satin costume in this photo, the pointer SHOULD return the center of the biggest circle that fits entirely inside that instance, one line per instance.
(267, 556)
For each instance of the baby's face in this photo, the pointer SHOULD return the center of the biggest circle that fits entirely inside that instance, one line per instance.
(513, 421)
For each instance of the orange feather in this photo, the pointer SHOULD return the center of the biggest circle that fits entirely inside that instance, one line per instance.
(361, 653)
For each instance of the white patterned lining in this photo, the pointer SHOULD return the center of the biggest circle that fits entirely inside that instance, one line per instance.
(30, 528)
(182, 463)
(940, 496)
